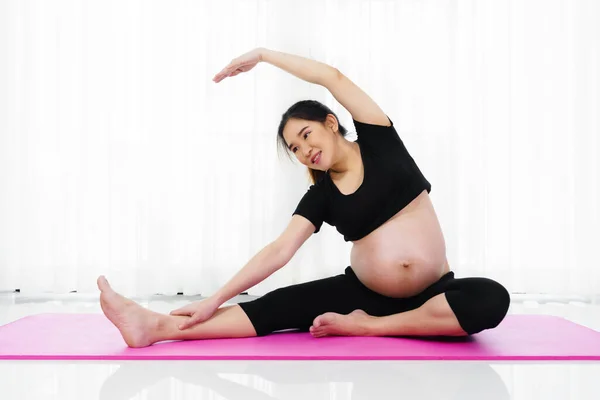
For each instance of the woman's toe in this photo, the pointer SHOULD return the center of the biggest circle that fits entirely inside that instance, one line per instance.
(325, 319)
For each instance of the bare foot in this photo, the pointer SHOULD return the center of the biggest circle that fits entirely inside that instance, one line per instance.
(135, 323)
(354, 324)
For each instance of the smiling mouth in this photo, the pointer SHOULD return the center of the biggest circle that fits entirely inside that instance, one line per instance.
(316, 158)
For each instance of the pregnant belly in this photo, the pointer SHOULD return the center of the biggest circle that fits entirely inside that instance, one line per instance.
(405, 255)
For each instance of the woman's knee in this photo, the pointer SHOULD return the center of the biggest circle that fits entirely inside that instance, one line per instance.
(498, 301)
(274, 311)
(479, 304)
(296, 306)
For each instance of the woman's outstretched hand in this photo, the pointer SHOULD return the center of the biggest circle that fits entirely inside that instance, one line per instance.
(243, 63)
(199, 311)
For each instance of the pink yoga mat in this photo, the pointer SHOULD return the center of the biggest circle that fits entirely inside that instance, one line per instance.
(93, 337)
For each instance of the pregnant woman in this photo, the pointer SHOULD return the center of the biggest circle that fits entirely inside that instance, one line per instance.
(399, 282)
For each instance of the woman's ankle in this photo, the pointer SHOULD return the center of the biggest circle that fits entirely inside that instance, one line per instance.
(167, 326)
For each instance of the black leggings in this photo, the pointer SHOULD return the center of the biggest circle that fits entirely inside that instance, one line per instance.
(478, 303)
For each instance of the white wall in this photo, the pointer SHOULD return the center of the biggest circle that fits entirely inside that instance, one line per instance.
(120, 156)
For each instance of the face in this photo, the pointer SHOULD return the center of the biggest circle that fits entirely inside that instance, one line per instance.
(306, 139)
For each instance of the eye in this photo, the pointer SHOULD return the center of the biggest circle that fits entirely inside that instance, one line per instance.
(294, 149)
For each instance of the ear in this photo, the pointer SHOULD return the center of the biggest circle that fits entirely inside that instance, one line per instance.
(331, 122)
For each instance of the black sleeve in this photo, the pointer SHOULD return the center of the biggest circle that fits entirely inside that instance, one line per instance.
(379, 137)
(313, 206)
(385, 142)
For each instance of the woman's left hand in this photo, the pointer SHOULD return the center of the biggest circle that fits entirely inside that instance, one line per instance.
(243, 63)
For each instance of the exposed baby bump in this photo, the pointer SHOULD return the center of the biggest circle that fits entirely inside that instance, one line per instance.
(402, 257)
(402, 270)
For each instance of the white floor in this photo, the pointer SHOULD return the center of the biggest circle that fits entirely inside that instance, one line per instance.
(357, 380)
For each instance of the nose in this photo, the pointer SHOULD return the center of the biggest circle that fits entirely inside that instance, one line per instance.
(308, 154)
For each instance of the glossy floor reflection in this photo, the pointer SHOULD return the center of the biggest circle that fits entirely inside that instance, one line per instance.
(290, 379)
(356, 380)
(256, 380)
(315, 380)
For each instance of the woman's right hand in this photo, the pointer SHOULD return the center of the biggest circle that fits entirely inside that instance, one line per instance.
(243, 63)
(198, 311)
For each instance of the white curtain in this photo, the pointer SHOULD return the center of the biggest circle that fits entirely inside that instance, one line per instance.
(120, 156)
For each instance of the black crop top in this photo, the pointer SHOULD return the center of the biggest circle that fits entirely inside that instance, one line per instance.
(391, 181)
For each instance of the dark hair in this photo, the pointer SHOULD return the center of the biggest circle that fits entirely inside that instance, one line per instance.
(310, 110)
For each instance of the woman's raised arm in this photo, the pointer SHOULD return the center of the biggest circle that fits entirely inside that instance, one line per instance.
(347, 93)
(309, 70)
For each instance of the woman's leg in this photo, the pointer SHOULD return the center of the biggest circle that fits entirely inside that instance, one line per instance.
(434, 318)
(292, 307)
(450, 307)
